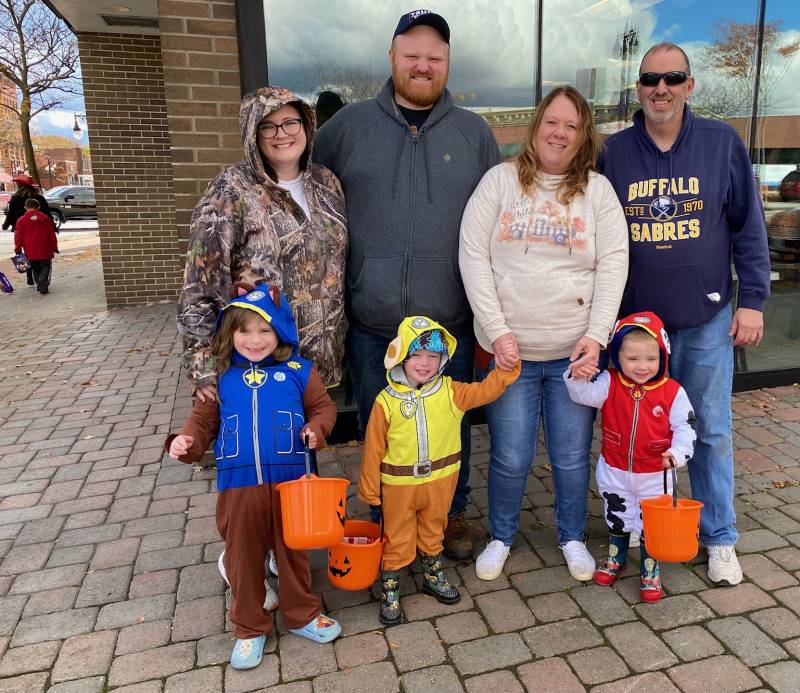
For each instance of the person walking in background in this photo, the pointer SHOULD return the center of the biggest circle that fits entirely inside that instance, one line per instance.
(692, 208)
(544, 254)
(648, 427)
(271, 401)
(26, 189)
(35, 235)
(408, 161)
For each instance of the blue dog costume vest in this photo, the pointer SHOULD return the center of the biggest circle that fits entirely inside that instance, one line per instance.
(261, 407)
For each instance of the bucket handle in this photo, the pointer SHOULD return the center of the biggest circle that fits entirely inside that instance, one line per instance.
(307, 451)
(674, 484)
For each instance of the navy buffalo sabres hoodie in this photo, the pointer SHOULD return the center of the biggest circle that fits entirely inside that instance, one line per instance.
(689, 211)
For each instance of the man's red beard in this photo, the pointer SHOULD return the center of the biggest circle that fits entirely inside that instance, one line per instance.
(423, 94)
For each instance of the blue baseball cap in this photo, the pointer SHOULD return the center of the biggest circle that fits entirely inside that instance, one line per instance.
(423, 18)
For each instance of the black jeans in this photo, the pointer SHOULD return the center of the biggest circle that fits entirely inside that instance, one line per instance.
(41, 271)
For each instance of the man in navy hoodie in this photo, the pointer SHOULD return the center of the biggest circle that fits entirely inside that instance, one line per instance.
(687, 188)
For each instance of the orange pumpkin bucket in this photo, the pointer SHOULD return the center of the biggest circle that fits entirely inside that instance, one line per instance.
(671, 525)
(312, 510)
(353, 563)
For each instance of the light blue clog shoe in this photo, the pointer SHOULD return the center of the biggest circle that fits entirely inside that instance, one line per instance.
(320, 629)
(247, 653)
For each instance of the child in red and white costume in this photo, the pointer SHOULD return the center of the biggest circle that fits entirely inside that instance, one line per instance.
(648, 426)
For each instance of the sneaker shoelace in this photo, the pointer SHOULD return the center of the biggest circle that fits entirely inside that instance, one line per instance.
(575, 551)
(494, 550)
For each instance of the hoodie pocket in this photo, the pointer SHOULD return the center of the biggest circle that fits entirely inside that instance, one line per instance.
(435, 289)
(676, 294)
(375, 294)
(228, 438)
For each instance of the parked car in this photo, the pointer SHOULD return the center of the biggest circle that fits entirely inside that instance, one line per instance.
(790, 186)
(69, 202)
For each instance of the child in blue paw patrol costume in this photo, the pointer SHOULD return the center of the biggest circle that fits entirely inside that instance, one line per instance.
(412, 453)
(648, 426)
(270, 399)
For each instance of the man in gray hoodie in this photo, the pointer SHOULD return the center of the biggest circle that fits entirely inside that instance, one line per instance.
(408, 161)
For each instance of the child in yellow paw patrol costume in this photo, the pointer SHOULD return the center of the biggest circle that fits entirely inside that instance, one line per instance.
(412, 453)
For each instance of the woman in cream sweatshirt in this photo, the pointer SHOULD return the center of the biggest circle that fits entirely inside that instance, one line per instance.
(544, 257)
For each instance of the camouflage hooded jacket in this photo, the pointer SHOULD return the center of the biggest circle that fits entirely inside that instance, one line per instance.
(246, 228)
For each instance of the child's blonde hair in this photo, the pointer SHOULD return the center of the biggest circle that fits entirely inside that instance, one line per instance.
(638, 335)
(236, 319)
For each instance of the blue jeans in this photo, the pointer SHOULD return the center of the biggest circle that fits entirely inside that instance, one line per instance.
(513, 421)
(702, 361)
(364, 352)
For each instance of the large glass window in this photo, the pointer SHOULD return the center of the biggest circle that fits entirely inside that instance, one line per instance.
(597, 46)
(343, 47)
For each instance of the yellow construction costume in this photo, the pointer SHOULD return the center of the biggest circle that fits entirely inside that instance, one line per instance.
(412, 446)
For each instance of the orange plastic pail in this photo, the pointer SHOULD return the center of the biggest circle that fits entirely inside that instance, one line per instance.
(671, 525)
(312, 510)
(354, 566)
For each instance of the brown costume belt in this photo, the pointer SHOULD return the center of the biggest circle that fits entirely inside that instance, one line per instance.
(408, 470)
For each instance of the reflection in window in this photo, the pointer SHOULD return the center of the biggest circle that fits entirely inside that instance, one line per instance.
(343, 47)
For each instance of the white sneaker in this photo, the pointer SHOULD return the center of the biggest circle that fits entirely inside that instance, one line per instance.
(272, 563)
(634, 541)
(270, 600)
(580, 562)
(723, 566)
(492, 559)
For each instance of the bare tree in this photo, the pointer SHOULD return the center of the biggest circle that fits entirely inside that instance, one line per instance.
(39, 54)
(352, 83)
(732, 55)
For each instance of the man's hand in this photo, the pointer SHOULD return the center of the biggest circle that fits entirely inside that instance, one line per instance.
(179, 446)
(667, 460)
(208, 392)
(585, 358)
(506, 351)
(747, 327)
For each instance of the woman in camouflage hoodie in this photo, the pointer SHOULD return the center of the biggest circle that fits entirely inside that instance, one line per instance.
(274, 218)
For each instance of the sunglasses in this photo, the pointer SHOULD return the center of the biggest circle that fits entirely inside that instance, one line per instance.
(671, 79)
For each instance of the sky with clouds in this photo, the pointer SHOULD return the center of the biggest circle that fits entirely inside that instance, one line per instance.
(492, 44)
(492, 41)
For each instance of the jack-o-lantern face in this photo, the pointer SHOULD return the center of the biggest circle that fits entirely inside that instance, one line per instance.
(340, 570)
(340, 512)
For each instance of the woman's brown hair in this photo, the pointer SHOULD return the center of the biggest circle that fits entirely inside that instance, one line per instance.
(577, 174)
(235, 319)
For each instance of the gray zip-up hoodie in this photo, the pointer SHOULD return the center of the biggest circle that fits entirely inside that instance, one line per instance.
(405, 192)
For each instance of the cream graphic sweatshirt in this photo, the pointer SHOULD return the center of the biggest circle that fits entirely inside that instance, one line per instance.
(549, 273)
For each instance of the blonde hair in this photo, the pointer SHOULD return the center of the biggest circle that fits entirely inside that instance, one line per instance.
(222, 348)
(577, 175)
(638, 335)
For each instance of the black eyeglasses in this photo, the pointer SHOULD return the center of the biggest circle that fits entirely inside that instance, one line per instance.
(290, 127)
(671, 79)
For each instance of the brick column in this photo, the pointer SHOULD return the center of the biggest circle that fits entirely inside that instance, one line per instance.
(201, 77)
(126, 113)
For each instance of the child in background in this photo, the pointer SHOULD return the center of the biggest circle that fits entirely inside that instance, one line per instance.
(270, 401)
(412, 454)
(35, 235)
(648, 426)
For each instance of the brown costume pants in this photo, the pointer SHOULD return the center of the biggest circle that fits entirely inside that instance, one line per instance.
(249, 522)
(415, 517)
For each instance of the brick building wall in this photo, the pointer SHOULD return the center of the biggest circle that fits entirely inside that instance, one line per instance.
(130, 143)
(201, 80)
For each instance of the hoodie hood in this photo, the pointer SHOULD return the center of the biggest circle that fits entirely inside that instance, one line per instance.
(272, 306)
(252, 110)
(411, 329)
(650, 323)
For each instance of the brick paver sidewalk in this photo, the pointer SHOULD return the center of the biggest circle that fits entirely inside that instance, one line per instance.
(108, 576)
